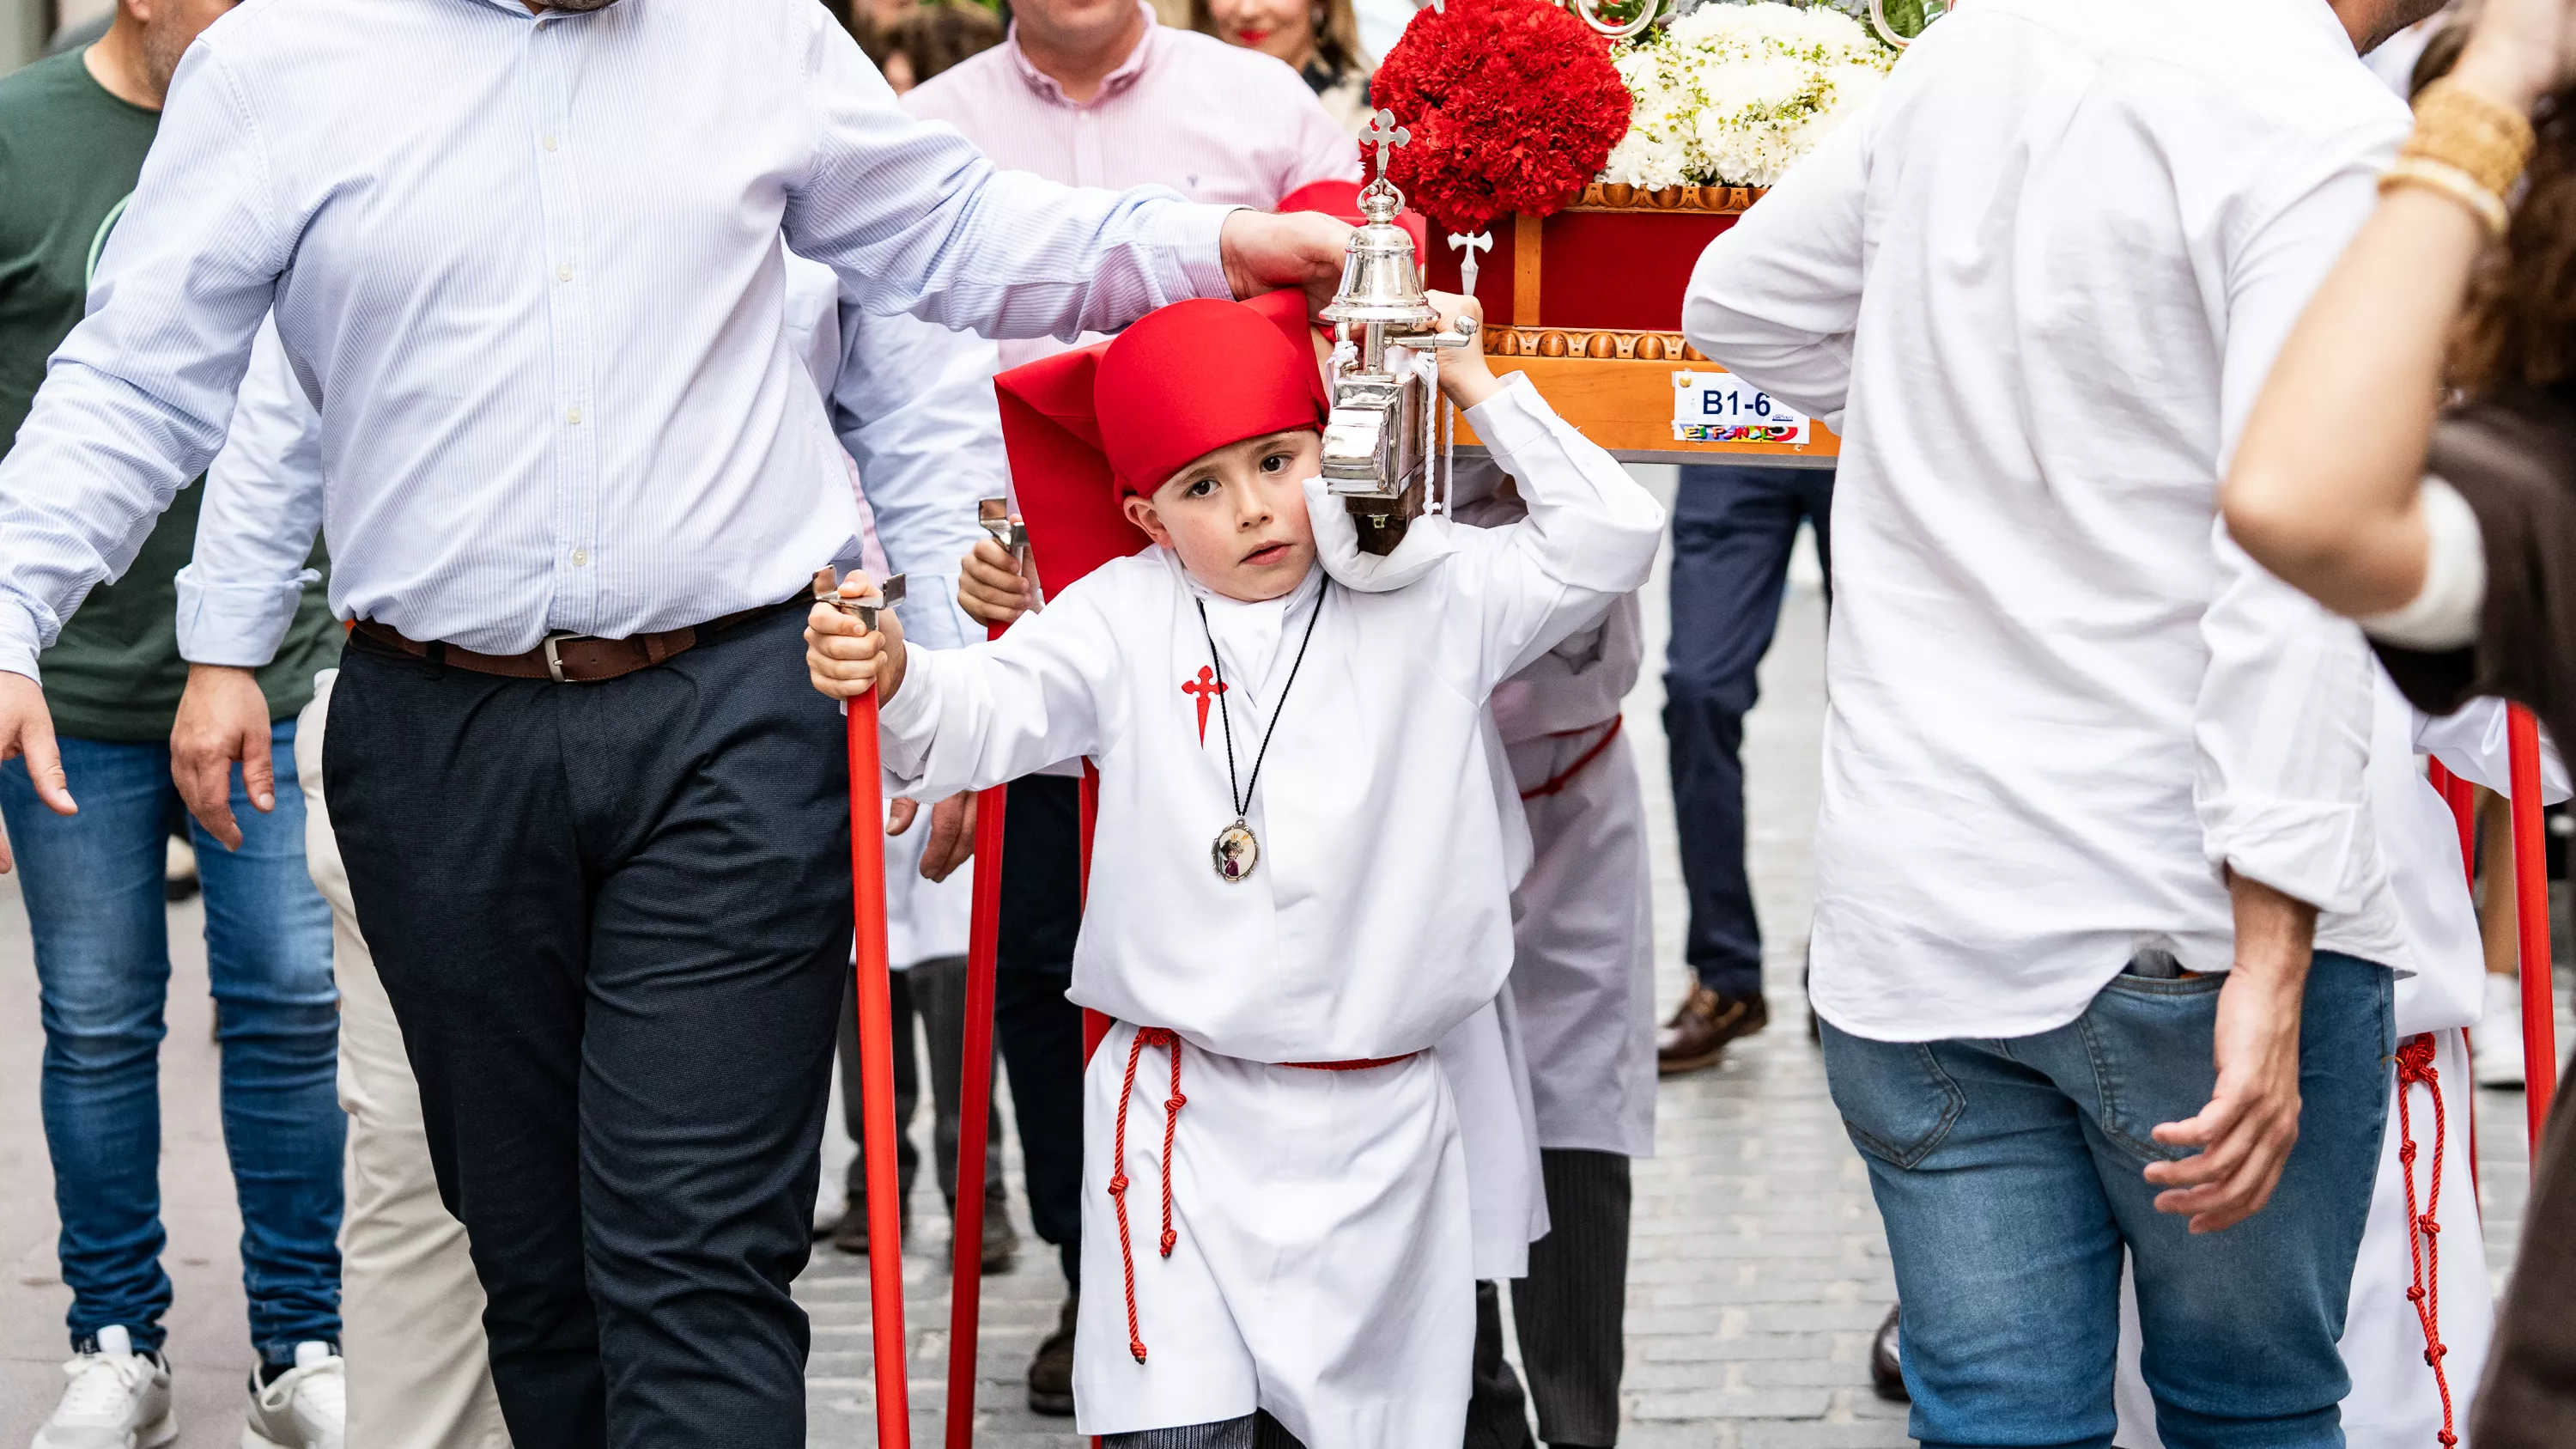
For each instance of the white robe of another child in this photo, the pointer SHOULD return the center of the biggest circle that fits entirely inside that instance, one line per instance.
(1322, 1254)
(2394, 1402)
(1583, 972)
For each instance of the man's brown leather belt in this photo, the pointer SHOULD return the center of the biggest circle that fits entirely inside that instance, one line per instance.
(572, 658)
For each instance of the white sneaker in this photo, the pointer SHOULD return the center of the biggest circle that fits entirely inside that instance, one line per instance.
(118, 1399)
(2498, 1035)
(306, 1407)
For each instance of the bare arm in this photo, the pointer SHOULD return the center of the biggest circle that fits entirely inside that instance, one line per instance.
(2325, 486)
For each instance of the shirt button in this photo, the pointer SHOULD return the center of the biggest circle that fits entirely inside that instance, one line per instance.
(550, 143)
(581, 558)
(573, 416)
(563, 274)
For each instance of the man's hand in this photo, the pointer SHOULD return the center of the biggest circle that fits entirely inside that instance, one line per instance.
(223, 720)
(989, 586)
(2521, 50)
(952, 837)
(845, 661)
(27, 728)
(2246, 1132)
(952, 832)
(1264, 250)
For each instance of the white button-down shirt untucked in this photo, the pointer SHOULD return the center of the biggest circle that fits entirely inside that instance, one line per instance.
(528, 266)
(2037, 288)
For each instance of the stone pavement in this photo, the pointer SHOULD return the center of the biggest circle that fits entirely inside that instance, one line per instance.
(1758, 1274)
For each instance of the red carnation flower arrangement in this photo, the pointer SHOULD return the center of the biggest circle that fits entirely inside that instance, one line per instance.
(1513, 105)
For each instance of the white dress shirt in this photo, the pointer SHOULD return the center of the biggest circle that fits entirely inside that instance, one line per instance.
(529, 266)
(2036, 287)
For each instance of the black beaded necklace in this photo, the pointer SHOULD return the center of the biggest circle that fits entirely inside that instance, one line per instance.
(1237, 851)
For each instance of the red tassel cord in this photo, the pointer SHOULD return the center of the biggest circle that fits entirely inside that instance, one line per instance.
(1170, 1042)
(2424, 1229)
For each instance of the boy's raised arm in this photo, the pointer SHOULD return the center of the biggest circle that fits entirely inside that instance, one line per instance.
(964, 719)
(1590, 536)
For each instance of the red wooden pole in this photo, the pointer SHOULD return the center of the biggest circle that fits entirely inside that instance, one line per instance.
(1095, 1025)
(975, 1105)
(2531, 918)
(876, 1078)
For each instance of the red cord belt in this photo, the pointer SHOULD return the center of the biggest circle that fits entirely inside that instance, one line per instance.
(2424, 1229)
(1170, 1042)
(1565, 777)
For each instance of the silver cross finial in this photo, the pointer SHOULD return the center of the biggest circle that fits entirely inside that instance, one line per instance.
(1482, 241)
(1384, 134)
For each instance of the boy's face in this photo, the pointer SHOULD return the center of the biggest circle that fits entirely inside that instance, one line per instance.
(1237, 517)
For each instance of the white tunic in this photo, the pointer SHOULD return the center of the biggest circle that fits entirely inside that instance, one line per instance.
(1324, 1241)
(1379, 914)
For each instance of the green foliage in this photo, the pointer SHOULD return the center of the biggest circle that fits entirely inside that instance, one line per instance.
(1906, 17)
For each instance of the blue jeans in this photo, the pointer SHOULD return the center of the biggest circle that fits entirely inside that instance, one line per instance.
(2010, 1176)
(1733, 528)
(93, 887)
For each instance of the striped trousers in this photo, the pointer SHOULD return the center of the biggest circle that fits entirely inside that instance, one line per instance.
(1568, 1314)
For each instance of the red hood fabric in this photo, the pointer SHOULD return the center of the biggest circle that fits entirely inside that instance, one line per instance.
(1084, 429)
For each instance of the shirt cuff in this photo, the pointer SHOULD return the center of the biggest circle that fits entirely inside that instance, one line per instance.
(1200, 252)
(2319, 853)
(1514, 418)
(904, 722)
(2445, 612)
(241, 626)
(20, 641)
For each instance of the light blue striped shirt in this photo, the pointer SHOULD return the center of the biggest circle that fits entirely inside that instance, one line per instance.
(528, 268)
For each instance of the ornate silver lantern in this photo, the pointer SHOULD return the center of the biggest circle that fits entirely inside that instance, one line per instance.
(1380, 445)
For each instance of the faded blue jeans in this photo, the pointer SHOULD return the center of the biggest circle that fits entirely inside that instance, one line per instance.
(2010, 1177)
(93, 888)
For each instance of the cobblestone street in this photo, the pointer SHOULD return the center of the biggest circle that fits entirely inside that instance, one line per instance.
(1758, 1274)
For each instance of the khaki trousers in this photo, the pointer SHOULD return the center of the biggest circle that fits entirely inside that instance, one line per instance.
(411, 1310)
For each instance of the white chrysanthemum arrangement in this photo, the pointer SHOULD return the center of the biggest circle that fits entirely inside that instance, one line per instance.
(1733, 95)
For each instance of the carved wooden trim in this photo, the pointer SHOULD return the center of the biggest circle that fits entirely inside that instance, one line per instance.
(1723, 200)
(1585, 342)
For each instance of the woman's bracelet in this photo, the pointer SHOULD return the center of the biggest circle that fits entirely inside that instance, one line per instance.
(2450, 181)
(2466, 145)
(2463, 127)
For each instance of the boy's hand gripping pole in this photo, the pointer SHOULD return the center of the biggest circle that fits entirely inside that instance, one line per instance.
(876, 1037)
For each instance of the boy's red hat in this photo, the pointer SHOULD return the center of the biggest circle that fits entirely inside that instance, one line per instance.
(1085, 428)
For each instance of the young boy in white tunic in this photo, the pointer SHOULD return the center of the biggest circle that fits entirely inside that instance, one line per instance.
(1305, 861)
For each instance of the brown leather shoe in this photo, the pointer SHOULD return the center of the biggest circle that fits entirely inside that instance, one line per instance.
(849, 1234)
(1886, 1366)
(1051, 1372)
(1001, 1241)
(1698, 1033)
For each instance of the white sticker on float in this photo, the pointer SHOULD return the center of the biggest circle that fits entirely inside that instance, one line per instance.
(1718, 407)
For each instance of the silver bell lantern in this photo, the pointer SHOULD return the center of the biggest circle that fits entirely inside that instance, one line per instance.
(1380, 450)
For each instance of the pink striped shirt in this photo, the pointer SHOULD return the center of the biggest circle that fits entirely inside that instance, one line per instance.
(1215, 122)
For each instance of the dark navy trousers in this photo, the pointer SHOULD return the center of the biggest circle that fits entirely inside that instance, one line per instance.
(1732, 532)
(614, 922)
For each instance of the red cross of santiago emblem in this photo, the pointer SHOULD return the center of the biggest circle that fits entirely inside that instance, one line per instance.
(1205, 688)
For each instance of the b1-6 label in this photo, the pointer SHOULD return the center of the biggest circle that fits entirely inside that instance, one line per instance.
(1719, 407)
